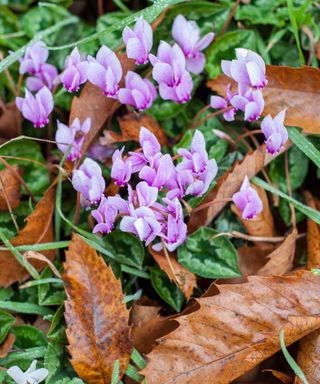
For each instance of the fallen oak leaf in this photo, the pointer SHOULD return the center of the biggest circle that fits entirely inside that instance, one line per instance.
(229, 183)
(176, 272)
(97, 319)
(38, 229)
(281, 259)
(94, 104)
(283, 377)
(284, 91)
(9, 190)
(235, 330)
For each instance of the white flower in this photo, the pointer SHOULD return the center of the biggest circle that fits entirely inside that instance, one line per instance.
(31, 376)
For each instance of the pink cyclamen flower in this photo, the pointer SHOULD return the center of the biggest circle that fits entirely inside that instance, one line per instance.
(139, 93)
(251, 102)
(45, 78)
(121, 169)
(169, 70)
(159, 172)
(36, 108)
(175, 233)
(105, 71)
(187, 35)
(248, 200)
(88, 180)
(138, 41)
(218, 102)
(249, 69)
(73, 136)
(275, 132)
(105, 215)
(196, 160)
(75, 72)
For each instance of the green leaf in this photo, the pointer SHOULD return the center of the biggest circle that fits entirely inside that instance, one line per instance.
(295, 30)
(167, 290)
(126, 248)
(6, 321)
(57, 330)
(285, 211)
(298, 169)
(113, 39)
(35, 175)
(23, 359)
(300, 140)
(6, 293)
(207, 257)
(28, 336)
(28, 308)
(50, 294)
(224, 46)
(311, 213)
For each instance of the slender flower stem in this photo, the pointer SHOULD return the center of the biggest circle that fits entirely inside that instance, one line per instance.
(231, 14)
(248, 133)
(8, 204)
(293, 212)
(77, 213)
(217, 113)
(210, 203)
(9, 77)
(166, 254)
(198, 114)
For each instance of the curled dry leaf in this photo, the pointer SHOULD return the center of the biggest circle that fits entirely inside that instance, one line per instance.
(283, 377)
(284, 90)
(97, 319)
(9, 190)
(38, 229)
(313, 235)
(10, 122)
(183, 278)
(228, 184)
(281, 259)
(94, 104)
(7, 345)
(251, 259)
(235, 330)
(262, 225)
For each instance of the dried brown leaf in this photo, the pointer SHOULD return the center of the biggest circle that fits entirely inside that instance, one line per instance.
(183, 278)
(10, 121)
(283, 377)
(6, 345)
(313, 235)
(97, 319)
(228, 184)
(38, 229)
(308, 357)
(285, 90)
(251, 259)
(281, 259)
(235, 330)
(94, 104)
(9, 190)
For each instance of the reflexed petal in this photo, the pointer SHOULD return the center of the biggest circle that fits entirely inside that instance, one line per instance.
(257, 77)
(218, 102)
(274, 143)
(205, 41)
(196, 64)
(162, 73)
(96, 74)
(135, 50)
(127, 33)
(267, 126)
(226, 67)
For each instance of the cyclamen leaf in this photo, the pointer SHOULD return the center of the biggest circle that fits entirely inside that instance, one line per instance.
(97, 320)
(249, 317)
(207, 257)
(305, 145)
(6, 321)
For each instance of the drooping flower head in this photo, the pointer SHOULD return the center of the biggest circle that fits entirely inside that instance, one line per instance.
(248, 200)
(88, 180)
(250, 102)
(275, 132)
(31, 376)
(139, 93)
(36, 108)
(169, 70)
(158, 172)
(121, 169)
(74, 136)
(105, 71)
(75, 72)
(187, 35)
(196, 160)
(249, 69)
(105, 215)
(218, 102)
(138, 41)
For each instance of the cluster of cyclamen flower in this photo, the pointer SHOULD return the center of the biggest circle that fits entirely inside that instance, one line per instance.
(171, 70)
(249, 72)
(145, 213)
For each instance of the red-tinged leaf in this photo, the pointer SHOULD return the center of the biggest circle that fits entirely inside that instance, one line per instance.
(38, 229)
(297, 89)
(234, 331)
(97, 319)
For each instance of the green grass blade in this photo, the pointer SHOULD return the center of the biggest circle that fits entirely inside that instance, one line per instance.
(300, 140)
(28, 308)
(39, 247)
(115, 373)
(295, 30)
(297, 370)
(28, 354)
(311, 213)
(13, 57)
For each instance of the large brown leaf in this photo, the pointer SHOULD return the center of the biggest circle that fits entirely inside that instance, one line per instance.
(297, 89)
(37, 230)
(228, 184)
(313, 234)
(235, 330)
(9, 190)
(97, 319)
(94, 104)
(10, 122)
